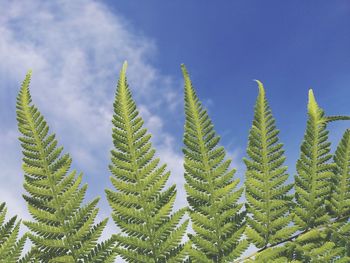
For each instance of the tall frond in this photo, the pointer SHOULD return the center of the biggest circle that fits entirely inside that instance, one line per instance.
(11, 246)
(268, 203)
(142, 206)
(314, 170)
(62, 229)
(216, 215)
(339, 203)
(340, 198)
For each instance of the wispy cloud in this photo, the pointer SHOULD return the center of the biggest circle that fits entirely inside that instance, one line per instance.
(75, 49)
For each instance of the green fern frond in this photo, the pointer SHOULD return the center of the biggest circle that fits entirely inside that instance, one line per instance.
(341, 235)
(10, 246)
(141, 207)
(340, 198)
(315, 246)
(270, 255)
(62, 230)
(32, 256)
(339, 202)
(266, 176)
(314, 171)
(216, 215)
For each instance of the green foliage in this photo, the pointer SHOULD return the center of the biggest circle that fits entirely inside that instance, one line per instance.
(62, 230)
(273, 254)
(10, 246)
(340, 235)
(312, 227)
(315, 246)
(339, 204)
(142, 208)
(268, 204)
(216, 215)
(315, 172)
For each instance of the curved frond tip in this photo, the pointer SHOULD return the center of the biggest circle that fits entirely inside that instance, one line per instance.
(260, 87)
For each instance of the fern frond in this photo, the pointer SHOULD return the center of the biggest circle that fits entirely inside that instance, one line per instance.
(216, 215)
(142, 207)
(30, 257)
(341, 235)
(314, 171)
(339, 204)
(315, 246)
(62, 230)
(266, 189)
(10, 246)
(270, 255)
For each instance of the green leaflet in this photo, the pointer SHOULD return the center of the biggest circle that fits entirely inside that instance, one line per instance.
(62, 230)
(216, 215)
(10, 246)
(142, 206)
(268, 203)
(314, 171)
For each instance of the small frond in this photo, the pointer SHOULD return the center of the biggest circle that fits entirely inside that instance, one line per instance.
(11, 246)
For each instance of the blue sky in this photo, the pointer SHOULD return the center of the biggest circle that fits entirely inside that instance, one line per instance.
(289, 45)
(76, 49)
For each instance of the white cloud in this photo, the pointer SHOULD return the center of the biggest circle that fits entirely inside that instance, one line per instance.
(11, 174)
(75, 49)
